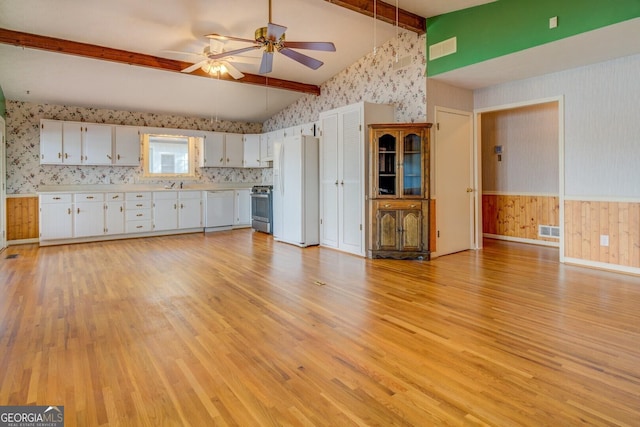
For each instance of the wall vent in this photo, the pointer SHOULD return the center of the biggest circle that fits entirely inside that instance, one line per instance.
(551, 231)
(443, 48)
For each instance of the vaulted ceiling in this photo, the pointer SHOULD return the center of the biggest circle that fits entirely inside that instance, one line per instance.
(120, 54)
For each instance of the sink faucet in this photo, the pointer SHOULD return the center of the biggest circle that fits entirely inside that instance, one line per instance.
(181, 186)
(172, 184)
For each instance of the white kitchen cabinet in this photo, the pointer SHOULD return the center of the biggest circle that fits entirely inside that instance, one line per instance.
(190, 209)
(56, 216)
(97, 143)
(266, 150)
(212, 150)
(138, 212)
(114, 213)
(343, 154)
(51, 150)
(234, 148)
(165, 210)
(88, 213)
(251, 150)
(126, 146)
(242, 208)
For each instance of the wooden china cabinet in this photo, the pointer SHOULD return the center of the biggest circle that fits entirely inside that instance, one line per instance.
(399, 191)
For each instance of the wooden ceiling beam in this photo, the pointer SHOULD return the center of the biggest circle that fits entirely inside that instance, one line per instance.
(386, 12)
(86, 50)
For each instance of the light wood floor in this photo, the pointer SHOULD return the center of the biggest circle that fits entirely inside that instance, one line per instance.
(232, 328)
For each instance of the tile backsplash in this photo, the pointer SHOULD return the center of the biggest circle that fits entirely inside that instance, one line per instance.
(25, 173)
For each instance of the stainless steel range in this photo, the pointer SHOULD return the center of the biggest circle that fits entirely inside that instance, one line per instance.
(262, 208)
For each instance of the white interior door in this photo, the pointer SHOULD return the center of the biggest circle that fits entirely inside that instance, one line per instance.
(350, 185)
(454, 181)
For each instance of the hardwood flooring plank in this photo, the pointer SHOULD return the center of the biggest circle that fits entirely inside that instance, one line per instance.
(232, 328)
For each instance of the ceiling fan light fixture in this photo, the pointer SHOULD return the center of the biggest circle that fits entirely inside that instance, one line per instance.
(213, 68)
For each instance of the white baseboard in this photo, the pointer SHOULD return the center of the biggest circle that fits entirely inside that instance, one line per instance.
(603, 266)
(522, 240)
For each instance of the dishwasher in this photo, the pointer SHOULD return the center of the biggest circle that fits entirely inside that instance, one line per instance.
(219, 215)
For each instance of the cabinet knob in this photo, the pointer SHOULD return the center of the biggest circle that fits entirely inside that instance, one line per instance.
(412, 206)
(118, 157)
(121, 209)
(469, 190)
(69, 211)
(56, 198)
(78, 211)
(108, 157)
(387, 205)
(139, 214)
(89, 197)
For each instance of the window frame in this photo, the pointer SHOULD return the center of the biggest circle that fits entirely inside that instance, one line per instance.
(191, 157)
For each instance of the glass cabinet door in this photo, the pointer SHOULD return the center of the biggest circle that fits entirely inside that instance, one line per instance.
(412, 165)
(387, 165)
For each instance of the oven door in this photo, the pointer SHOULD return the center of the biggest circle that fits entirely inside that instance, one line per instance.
(261, 207)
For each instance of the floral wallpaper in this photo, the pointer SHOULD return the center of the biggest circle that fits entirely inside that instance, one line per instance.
(25, 173)
(372, 79)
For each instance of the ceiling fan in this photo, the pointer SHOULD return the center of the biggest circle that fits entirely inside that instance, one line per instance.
(272, 39)
(211, 65)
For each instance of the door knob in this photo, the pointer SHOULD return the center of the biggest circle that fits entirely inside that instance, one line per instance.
(469, 190)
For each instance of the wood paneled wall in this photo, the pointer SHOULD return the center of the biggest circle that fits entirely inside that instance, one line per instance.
(586, 221)
(519, 216)
(22, 218)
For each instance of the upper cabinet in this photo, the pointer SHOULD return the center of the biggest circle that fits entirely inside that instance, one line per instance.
(251, 147)
(221, 149)
(398, 161)
(126, 146)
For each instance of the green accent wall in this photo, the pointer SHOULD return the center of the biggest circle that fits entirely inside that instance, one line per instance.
(3, 106)
(507, 26)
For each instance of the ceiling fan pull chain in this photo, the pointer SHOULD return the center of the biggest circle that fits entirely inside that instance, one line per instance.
(375, 18)
(397, 34)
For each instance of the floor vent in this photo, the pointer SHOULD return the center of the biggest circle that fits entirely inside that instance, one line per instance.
(12, 256)
(551, 231)
(443, 48)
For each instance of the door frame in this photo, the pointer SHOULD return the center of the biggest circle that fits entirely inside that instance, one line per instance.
(477, 138)
(473, 240)
(3, 184)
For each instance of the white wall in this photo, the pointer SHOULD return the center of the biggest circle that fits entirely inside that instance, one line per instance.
(602, 123)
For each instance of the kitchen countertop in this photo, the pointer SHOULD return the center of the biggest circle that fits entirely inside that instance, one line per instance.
(121, 188)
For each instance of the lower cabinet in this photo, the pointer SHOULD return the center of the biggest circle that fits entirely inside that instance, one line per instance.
(138, 212)
(88, 213)
(114, 213)
(190, 209)
(242, 208)
(56, 216)
(399, 229)
(165, 210)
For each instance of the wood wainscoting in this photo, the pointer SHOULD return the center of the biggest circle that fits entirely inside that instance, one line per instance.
(586, 221)
(22, 218)
(518, 216)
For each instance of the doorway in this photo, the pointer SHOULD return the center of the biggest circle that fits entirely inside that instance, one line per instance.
(454, 178)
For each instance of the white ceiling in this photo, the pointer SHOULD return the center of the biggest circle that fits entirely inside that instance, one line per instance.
(153, 27)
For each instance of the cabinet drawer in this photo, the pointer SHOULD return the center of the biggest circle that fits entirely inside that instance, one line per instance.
(144, 195)
(55, 198)
(165, 195)
(89, 197)
(111, 197)
(138, 226)
(138, 204)
(397, 204)
(138, 214)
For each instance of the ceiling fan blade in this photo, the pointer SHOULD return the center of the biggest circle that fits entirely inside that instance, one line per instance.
(233, 52)
(181, 53)
(233, 71)
(324, 46)
(275, 31)
(194, 66)
(224, 38)
(302, 58)
(267, 63)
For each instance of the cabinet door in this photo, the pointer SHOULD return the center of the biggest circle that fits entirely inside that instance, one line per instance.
(234, 148)
(72, 143)
(127, 146)
(350, 174)
(387, 232)
(412, 165)
(384, 167)
(114, 217)
(190, 212)
(50, 142)
(265, 158)
(242, 208)
(411, 230)
(165, 211)
(329, 182)
(251, 151)
(89, 219)
(212, 150)
(56, 219)
(97, 140)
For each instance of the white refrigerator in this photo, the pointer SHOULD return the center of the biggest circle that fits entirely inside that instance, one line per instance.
(295, 191)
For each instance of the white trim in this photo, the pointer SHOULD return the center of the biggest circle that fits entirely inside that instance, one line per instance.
(521, 240)
(603, 199)
(22, 241)
(616, 268)
(477, 141)
(509, 193)
(119, 236)
(20, 196)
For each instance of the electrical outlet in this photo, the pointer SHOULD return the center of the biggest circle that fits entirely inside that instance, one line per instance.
(553, 22)
(604, 240)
